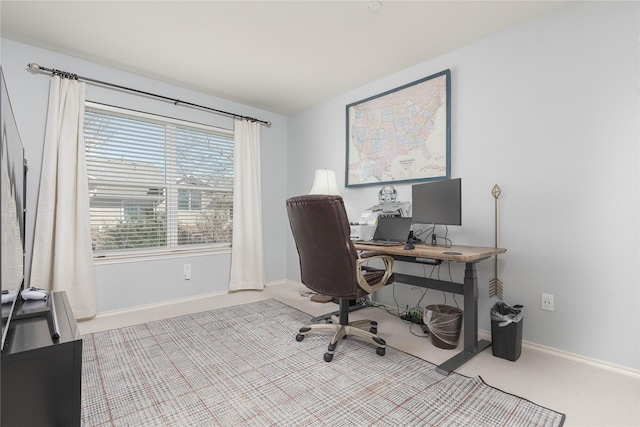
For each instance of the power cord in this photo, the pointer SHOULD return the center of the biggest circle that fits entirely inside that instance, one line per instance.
(423, 328)
(414, 315)
(413, 323)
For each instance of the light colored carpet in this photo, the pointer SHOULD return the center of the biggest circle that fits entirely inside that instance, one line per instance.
(241, 365)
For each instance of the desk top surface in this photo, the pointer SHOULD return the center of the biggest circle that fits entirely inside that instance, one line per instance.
(451, 253)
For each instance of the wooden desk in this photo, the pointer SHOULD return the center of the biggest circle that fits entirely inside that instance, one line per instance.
(470, 255)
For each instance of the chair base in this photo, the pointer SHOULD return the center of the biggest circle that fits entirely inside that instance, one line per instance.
(357, 328)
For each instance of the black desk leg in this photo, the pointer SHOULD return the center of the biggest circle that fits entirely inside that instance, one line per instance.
(471, 344)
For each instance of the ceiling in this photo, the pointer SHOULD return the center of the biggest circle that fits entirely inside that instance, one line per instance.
(280, 56)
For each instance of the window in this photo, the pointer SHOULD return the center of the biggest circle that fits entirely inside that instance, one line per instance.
(156, 183)
(189, 200)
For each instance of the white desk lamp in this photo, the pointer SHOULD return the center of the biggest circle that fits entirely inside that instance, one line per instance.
(325, 182)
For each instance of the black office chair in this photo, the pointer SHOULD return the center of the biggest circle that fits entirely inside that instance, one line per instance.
(330, 264)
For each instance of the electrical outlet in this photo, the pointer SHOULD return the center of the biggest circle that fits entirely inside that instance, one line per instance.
(547, 302)
(187, 272)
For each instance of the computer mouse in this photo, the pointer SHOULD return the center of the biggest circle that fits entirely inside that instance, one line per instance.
(408, 246)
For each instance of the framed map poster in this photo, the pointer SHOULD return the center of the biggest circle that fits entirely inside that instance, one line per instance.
(401, 135)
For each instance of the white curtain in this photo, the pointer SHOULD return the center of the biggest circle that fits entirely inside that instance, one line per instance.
(62, 256)
(247, 258)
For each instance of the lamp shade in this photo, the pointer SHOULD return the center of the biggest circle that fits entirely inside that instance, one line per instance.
(325, 182)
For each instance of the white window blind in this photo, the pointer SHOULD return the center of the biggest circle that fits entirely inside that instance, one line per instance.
(156, 183)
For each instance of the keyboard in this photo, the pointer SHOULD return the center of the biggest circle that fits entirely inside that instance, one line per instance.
(379, 242)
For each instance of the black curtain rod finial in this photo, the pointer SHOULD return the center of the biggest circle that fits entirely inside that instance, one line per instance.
(33, 67)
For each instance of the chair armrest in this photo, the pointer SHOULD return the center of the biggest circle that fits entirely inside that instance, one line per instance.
(388, 267)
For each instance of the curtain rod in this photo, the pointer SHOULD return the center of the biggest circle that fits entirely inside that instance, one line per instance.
(36, 68)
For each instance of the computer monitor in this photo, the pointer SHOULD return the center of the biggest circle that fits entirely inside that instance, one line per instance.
(437, 202)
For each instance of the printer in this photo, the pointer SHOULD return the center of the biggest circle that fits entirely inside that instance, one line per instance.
(387, 206)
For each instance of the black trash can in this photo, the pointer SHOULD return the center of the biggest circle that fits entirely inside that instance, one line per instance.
(506, 331)
(444, 323)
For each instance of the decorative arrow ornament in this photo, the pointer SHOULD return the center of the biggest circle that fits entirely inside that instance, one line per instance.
(495, 284)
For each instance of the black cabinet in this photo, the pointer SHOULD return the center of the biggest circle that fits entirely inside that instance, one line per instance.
(41, 377)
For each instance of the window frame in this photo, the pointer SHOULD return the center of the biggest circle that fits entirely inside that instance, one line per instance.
(171, 248)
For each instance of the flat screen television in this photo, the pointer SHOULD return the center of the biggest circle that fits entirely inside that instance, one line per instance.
(437, 202)
(12, 203)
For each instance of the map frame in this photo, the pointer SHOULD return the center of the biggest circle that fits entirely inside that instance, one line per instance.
(419, 91)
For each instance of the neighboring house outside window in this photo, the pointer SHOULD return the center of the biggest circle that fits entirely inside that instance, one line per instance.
(156, 184)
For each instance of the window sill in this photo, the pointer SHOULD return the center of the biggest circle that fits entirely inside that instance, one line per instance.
(140, 256)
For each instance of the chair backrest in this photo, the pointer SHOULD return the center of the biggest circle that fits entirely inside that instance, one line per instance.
(327, 256)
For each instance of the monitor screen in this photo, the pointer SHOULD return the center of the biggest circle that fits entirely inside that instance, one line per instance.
(437, 202)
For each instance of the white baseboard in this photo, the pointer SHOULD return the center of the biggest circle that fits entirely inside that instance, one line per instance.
(159, 304)
(483, 334)
(612, 367)
(571, 356)
(154, 305)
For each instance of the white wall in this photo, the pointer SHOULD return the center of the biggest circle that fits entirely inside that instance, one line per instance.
(549, 111)
(126, 284)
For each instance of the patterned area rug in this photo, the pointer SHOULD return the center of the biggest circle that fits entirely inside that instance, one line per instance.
(241, 366)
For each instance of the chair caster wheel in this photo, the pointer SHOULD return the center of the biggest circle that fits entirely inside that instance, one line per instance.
(328, 357)
(373, 330)
(299, 337)
(381, 351)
